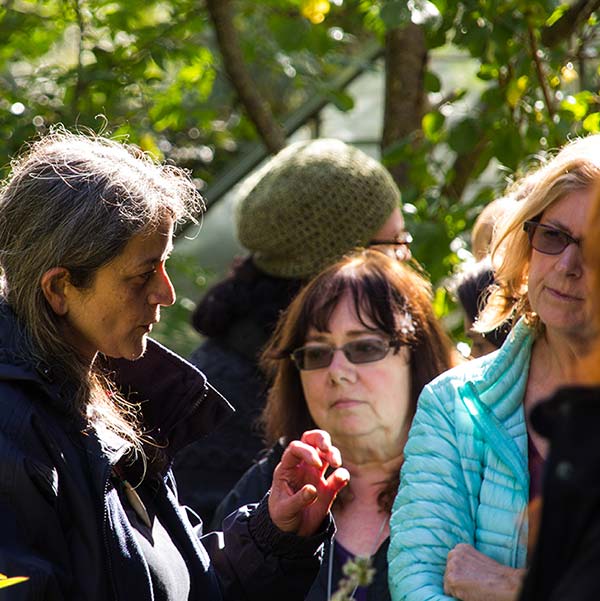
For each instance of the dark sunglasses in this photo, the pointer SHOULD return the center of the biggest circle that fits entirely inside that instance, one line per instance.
(548, 239)
(319, 355)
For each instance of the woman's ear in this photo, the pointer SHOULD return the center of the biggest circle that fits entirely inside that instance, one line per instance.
(53, 283)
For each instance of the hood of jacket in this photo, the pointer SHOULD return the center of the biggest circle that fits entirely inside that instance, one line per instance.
(178, 403)
(17, 365)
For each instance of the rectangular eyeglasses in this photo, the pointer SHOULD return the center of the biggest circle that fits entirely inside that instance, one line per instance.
(548, 239)
(319, 355)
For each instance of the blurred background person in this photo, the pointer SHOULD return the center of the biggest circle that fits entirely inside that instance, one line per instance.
(491, 217)
(472, 286)
(487, 222)
(351, 355)
(306, 207)
(473, 462)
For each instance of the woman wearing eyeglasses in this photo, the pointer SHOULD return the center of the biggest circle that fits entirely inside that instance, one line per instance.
(472, 462)
(567, 550)
(351, 355)
(307, 207)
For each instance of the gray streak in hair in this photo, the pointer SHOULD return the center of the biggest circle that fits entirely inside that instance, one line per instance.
(75, 201)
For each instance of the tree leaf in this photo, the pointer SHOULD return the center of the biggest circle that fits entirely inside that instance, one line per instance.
(464, 135)
(592, 123)
(395, 13)
(432, 124)
(432, 82)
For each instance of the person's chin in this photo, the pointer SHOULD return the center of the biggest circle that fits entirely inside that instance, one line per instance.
(138, 349)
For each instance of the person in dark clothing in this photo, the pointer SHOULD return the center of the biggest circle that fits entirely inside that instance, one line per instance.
(376, 311)
(237, 317)
(308, 206)
(472, 286)
(92, 410)
(567, 555)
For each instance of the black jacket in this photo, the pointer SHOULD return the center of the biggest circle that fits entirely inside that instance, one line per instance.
(62, 522)
(253, 485)
(209, 468)
(567, 556)
(237, 316)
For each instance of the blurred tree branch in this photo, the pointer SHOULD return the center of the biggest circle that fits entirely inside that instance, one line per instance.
(550, 36)
(79, 83)
(405, 66)
(258, 110)
(535, 55)
(577, 14)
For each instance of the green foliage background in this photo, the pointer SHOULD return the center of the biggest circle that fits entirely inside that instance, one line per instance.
(150, 71)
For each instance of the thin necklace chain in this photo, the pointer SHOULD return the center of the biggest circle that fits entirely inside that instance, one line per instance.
(386, 519)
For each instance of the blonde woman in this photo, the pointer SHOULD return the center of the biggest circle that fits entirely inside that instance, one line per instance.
(567, 550)
(459, 526)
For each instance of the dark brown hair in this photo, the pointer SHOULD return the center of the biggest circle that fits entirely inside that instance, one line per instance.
(385, 293)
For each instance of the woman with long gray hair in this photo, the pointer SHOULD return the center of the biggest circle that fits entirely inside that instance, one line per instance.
(92, 410)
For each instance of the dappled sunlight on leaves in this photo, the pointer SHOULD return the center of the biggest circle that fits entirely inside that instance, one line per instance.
(315, 10)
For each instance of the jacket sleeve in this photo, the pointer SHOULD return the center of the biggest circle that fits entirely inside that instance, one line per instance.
(432, 511)
(32, 543)
(255, 561)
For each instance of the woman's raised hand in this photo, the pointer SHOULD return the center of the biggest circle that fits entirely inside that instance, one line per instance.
(301, 495)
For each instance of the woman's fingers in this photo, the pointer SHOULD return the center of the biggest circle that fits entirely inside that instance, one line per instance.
(321, 440)
(298, 452)
(337, 480)
(300, 494)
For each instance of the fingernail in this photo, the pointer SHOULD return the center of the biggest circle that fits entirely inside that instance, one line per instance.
(309, 493)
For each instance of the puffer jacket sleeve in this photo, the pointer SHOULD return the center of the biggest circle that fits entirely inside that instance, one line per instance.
(432, 511)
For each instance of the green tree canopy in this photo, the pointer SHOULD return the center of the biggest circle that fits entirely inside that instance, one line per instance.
(197, 83)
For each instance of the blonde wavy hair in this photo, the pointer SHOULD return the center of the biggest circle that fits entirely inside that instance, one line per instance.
(576, 167)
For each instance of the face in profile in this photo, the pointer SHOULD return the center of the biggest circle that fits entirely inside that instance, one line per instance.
(366, 400)
(557, 283)
(115, 315)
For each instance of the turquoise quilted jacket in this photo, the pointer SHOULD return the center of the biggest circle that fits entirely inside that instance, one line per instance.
(465, 477)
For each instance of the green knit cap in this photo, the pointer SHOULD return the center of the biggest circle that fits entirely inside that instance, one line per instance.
(310, 204)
